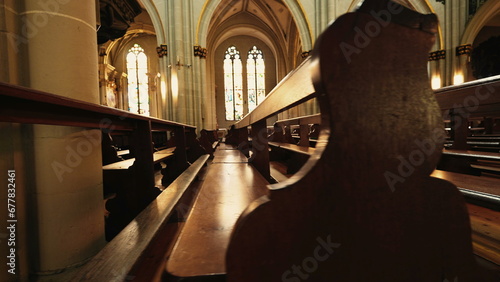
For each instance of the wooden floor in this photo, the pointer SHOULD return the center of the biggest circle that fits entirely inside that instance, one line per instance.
(230, 184)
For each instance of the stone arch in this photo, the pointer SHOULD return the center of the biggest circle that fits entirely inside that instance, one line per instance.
(155, 18)
(295, 8)
(487, 11)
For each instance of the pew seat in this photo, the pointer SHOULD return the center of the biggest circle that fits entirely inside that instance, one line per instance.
(117, 259)
(293, 148)
(472, 154)
(158, 156)
(204, 238)
(487, 186)
(485, 224)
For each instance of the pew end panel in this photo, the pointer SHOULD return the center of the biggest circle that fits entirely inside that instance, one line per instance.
(347, 214)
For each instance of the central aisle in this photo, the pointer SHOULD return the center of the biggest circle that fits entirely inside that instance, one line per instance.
(230, 184)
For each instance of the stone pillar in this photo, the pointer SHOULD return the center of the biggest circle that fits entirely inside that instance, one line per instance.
(455, 19)
(436, 65)
(66, 179)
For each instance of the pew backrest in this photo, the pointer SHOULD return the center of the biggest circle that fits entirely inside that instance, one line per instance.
(350, 214)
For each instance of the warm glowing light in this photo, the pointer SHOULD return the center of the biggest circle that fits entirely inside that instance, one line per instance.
(175, 86)
(163, 88)
(458, 78)
(436, 82)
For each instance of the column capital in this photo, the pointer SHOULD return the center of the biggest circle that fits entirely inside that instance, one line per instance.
(162, 50)
(464, 49)
(200, 52)
(437, 55)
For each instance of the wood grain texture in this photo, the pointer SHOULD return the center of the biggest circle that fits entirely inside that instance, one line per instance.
(117, 258)
(485, 232)
(227, 190)
(25, 105)
(473, 154)
(294, 148)
(481, 89)
(471, 182)
(125, 164)
(340, 218)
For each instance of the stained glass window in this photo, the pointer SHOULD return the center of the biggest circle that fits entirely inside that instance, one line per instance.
(137, 69)
(255, 77)
(233, 84)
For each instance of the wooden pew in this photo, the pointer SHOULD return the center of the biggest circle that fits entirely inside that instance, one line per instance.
(463, 103)
(199, 252)
(117, 259)
(339, 217)
(285, 149)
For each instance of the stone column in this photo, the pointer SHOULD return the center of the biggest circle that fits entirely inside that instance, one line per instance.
(455, 20)
(66, 177)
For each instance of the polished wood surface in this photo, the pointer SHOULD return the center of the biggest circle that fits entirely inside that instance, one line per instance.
(228, 154)
(125, 164)
(25, 105)
(472, 154)
(470, 182)
(482, 89)
(117, 258)
(311, 119)
(485, 225)
(295, 148)
(230, 185)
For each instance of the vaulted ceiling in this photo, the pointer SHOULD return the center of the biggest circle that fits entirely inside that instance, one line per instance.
(268, 20)
(273, 13)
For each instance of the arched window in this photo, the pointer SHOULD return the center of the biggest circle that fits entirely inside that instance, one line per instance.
(233, 84)
(255, 77)
(137, 69)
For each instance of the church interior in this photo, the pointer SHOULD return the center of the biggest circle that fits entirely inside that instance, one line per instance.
(250, 140)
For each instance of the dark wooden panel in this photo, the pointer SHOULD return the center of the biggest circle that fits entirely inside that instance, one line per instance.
(24, 105)
(342, 217)
(117, 258)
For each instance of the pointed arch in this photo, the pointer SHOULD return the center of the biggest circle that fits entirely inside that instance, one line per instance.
(487, 11)
(155, 18)
(294, 6)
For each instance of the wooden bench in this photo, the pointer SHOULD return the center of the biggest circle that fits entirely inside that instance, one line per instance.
(158, 156)
(471, 162)
(468, 101)
(285, 149)
(338, 217)
(115, 261)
